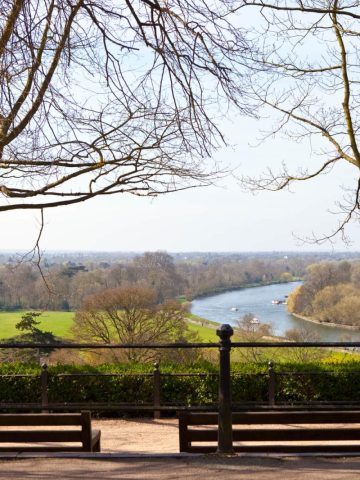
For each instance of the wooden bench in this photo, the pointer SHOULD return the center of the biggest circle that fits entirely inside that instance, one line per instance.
(283, 431)
(28, 434)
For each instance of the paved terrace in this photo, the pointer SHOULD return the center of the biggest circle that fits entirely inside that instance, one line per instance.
(148, 449)
(208, 468)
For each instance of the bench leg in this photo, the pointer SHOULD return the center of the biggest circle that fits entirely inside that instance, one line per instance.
(97, 446)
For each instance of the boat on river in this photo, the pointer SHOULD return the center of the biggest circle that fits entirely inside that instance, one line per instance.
(258, 301)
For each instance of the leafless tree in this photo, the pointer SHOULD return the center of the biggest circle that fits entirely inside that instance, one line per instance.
(299, 354)
(104, 97)
(130, 315)
(158, 271)
(250, 329)
(306, 55)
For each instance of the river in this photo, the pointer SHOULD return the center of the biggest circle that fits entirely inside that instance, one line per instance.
(257, 300)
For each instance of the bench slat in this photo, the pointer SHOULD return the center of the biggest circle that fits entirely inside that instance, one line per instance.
(280, 448)
(296, 434)
(266, 418)
(40, 436)
(296, 417)
(45, 448)
(40, 419)
(285, 434)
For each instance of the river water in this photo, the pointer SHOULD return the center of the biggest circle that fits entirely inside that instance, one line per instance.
(257, 300)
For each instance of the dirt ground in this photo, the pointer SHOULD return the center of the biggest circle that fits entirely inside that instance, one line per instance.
(138, 436)
(196, 468)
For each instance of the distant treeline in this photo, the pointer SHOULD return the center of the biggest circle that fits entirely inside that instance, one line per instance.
(63, 286)
(330, 293)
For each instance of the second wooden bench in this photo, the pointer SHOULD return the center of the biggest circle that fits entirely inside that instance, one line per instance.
(283, 431)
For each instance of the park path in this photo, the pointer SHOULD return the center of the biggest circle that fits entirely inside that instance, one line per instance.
(138, 435)
(199, 468)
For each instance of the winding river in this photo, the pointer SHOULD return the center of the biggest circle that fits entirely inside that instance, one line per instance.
(229, 306)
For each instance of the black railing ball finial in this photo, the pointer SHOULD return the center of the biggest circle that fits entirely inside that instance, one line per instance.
(225, 331)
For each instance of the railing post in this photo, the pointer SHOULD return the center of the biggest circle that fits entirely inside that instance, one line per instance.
(225, 437)
(157, 389)
(271, 384)
(44, 387)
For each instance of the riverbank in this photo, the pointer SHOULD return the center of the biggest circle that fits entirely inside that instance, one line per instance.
(327, 324)
(220, 290)
(202, 322)
(229, 307)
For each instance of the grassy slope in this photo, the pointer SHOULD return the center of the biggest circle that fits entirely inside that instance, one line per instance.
(58, 323)
(206, 334)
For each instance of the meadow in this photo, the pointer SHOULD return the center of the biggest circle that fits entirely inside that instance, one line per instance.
(59, 323)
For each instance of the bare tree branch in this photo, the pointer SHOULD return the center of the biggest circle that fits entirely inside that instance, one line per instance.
(106, 97)
(34, 256)
(307, 59)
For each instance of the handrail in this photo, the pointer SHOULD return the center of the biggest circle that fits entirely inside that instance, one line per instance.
(176, 345)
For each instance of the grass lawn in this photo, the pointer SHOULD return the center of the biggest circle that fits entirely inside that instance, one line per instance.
(205, 333)
(58, 323)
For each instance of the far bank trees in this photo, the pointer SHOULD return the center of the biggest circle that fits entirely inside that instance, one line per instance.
(21, 286)
(330, 293)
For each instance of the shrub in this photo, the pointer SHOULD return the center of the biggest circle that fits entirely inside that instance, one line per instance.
(133, 383)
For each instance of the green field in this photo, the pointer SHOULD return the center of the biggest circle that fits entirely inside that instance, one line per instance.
(206, 334)
(59, 323)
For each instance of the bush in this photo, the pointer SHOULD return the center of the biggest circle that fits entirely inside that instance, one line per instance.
(133, 383)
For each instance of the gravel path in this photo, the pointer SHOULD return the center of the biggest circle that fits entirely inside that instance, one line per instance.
(208, 468)
(138, 436)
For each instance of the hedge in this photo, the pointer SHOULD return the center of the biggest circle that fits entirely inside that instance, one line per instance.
(328, 382)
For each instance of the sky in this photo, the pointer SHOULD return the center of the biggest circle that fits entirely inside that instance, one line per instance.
(216, 218)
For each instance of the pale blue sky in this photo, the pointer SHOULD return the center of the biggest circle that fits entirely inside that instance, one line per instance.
(222, 218)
